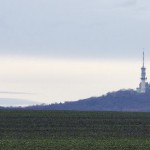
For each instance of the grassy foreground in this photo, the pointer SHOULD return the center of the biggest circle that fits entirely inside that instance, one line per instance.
(70, 130)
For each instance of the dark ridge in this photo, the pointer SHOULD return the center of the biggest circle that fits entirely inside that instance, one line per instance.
(122, 100)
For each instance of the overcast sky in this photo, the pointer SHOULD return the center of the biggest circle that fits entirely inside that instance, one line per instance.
(57, 50)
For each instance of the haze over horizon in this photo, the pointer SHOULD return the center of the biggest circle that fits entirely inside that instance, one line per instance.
(63, 50)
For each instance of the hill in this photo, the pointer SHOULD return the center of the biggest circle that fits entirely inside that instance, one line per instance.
(122, 100)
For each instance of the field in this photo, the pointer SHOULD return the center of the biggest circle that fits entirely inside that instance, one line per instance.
(71, 130)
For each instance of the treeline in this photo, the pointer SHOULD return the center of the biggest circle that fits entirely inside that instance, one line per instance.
(122, 100)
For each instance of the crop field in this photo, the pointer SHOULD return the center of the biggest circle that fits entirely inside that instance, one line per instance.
(72, 130)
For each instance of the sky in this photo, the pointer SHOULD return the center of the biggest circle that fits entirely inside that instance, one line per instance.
(64, 50)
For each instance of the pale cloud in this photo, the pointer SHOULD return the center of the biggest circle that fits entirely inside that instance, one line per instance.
(128, 3)
(16, 93)
(60, 80)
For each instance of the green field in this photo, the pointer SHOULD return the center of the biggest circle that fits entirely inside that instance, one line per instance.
(71, 130)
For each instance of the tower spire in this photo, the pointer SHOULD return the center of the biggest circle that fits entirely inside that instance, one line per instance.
(143, 59)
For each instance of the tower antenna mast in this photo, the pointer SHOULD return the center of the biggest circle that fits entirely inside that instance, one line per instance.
(143, 84)
(143, 59)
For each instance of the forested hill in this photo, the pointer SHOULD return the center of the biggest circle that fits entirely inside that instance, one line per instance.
(123, 100)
